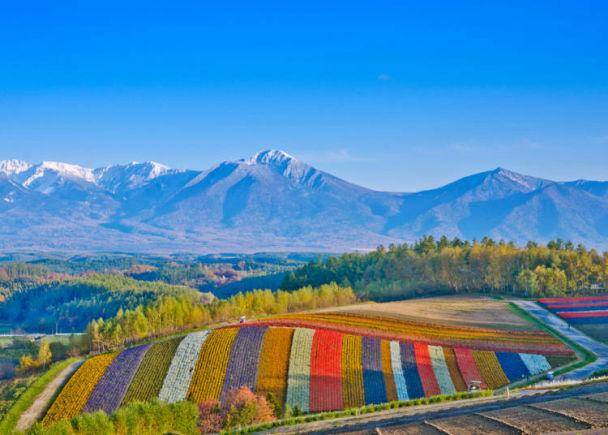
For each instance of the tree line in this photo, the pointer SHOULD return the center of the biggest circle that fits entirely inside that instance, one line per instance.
(172, 314)
(445, 266)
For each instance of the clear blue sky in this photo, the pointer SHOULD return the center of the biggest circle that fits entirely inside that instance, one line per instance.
(396, 95)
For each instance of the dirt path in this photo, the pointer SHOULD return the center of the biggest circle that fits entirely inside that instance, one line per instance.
(34, 412)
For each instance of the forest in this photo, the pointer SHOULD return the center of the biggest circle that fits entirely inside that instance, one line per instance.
(67, 305)
(49, 294)
(444, 266)
(169, 315)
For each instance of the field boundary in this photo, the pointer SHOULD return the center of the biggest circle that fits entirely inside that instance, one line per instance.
(470, 397)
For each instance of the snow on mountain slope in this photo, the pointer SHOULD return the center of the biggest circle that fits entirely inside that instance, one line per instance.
(49, 176)
(273, 201)
(118, 178)
(13, 167)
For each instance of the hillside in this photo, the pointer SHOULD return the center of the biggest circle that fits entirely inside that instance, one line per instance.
(312, 362)
(68, 305)
(272, 201)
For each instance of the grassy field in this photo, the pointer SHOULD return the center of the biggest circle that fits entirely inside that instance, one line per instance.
(480, 312)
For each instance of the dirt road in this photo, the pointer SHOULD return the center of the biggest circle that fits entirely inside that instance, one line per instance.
(34, 412)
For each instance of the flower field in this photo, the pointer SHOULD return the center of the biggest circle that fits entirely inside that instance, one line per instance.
(444, 335)
(587, 313)
(75, 394)
(310, 368)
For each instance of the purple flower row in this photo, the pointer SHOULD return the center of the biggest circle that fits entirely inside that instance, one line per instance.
(244, 357)
(112, 387)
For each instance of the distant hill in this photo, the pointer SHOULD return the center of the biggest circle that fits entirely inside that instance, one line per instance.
(274, 202)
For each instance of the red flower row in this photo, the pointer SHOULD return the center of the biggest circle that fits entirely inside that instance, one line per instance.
(581, 314)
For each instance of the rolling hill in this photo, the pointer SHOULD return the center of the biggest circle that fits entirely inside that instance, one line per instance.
(313, 361)
(275, 202)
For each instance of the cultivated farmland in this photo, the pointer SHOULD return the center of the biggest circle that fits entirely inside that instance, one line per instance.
(587, 313)
(468, 312)
(313, 362)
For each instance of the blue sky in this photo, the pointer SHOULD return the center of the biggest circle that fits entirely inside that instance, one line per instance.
(395, 95)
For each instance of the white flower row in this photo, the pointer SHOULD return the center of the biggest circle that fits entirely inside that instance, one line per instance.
(177, 381)
(535, 363)
(442, 373)
(397, 367)
(298, 380)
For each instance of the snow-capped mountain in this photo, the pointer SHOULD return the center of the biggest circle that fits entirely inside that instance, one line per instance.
(118, 178)
(49, 176)
(10, 168)
(273, 201)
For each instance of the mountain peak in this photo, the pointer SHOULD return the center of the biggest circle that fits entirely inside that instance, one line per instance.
(64, 169)
(525, 181)
(13, 167)
(287, 166)
(272, 157)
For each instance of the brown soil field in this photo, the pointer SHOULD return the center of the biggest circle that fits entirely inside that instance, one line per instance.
(471, 424)
(477, 312)
(534, 420)
(594, 413)
(412, 429)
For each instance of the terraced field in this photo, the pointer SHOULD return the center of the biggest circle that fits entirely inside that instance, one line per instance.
(312, 362)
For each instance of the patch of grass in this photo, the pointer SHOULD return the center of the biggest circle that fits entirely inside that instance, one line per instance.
(601, 372)
(8, 423)
(361, 411)
(10, 391)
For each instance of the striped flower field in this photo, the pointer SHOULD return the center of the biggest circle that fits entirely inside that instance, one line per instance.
(587, 313)
(579, 310)
(312, 369)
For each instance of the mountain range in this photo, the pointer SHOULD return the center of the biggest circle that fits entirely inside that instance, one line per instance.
(274, 202)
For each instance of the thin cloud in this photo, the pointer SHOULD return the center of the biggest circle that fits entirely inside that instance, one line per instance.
(384, 77)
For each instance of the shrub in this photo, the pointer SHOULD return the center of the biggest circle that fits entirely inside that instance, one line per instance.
(241, 408)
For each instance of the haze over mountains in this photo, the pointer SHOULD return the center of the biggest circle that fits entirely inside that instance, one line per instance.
(272, 201)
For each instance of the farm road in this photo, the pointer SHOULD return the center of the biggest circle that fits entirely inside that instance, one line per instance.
(388, 419)
(34, 412)
(561, 326)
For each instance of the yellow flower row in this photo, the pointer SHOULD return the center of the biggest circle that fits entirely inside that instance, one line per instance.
(274, 363)
(352, 371)
(76, 392)
(490, 369)
(210, 370)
